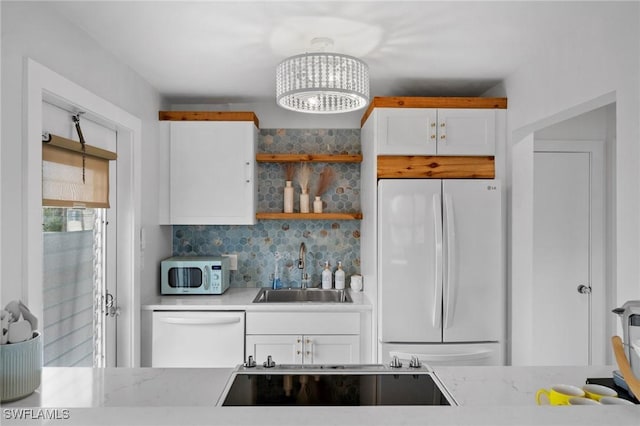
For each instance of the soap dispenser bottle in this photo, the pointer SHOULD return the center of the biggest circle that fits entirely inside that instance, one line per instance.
(276, 278)
(339, 276)
(326, 276)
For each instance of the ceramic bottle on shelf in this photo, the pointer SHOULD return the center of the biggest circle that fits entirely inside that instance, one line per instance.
(288, 197)
(339, 277)
(317, 205)
(326, 276)
(304, 201)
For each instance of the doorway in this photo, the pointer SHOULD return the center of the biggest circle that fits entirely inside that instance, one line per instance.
(564, 132)
(568, 289)
(46, 86)
(79, 263)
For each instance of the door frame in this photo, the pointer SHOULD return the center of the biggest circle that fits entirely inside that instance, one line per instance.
(45, 84)
(597, 239)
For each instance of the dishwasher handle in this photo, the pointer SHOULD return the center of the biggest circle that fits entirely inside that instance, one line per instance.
(201, 321)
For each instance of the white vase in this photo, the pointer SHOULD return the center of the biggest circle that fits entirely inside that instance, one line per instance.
(304, 201)
(317, 205)
(288, 197)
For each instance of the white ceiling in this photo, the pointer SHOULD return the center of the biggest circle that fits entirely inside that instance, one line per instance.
(208, 51)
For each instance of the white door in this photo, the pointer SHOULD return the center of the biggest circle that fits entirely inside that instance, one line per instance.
(410, 260)
(79, 274)
(473, 284)
(567, 256)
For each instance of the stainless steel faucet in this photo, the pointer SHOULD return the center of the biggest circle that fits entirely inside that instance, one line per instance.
(302, 265)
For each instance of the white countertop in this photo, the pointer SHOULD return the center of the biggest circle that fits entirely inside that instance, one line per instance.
(239, 299)
(147, 396)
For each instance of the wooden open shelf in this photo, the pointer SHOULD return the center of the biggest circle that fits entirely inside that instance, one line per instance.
(309, 216)
(310, 158)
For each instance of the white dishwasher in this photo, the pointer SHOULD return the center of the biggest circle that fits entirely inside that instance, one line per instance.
(198, 338)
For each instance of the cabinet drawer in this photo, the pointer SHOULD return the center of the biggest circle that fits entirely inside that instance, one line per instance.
(303, 323)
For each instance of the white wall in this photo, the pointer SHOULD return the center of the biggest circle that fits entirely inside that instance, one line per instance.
(590, 67)
(30, 30)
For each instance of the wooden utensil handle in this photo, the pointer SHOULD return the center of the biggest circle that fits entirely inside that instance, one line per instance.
(625, 368)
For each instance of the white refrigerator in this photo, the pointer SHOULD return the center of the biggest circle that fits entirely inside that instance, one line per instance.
(441, 278)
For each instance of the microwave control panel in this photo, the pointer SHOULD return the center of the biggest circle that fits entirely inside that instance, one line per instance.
(215, 278)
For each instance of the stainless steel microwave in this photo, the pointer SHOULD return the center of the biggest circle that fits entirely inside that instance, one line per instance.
(194, 275)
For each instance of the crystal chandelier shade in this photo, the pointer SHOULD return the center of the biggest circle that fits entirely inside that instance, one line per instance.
(322, 83)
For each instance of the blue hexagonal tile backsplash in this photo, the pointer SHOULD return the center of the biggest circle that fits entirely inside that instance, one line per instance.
(259, 247)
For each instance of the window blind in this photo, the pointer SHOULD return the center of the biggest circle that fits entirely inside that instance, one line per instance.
(63, 169)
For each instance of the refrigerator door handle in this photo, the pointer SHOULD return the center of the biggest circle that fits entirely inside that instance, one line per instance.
(450, 281)
(437, 297)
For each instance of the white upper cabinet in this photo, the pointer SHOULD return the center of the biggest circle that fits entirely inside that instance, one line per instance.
(406, 131)
(430, 131)
(212, 172)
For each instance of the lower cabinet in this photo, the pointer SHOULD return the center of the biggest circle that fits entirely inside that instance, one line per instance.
(304, 338)
(305, 349)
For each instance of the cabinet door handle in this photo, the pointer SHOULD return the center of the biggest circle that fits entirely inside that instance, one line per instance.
(248, 172)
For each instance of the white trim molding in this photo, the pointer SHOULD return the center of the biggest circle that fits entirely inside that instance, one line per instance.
(43, 84)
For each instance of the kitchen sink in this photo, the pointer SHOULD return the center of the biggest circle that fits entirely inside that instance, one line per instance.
(302, 295)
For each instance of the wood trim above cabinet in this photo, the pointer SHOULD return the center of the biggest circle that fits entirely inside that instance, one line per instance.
(436, 167)
(208, 116)
(433, 102)
(311, 158)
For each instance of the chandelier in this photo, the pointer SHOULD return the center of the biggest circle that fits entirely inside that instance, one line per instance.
(322, 83)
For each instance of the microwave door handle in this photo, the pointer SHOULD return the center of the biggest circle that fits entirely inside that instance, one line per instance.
(207, 276)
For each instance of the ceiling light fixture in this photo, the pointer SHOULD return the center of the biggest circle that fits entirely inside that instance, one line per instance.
(322, 83)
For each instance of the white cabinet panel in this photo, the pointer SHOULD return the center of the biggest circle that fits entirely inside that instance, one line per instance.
(426, 131)
(212, 173)
(406, 131)
(304, 337)
(466, 131)
(303, 323)
(283, 348)
(197, 339)
(305, 349)
(319, 349)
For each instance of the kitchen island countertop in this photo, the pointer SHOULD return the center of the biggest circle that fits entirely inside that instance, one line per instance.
(153, 396)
